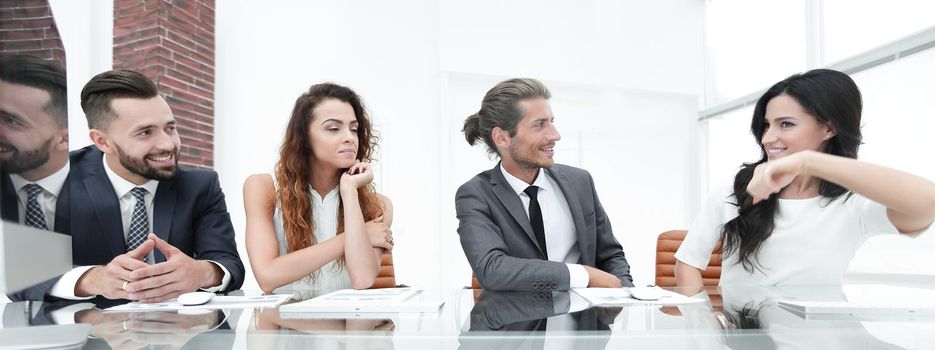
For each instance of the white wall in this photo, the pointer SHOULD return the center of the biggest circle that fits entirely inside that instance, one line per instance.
(87, 31)
(625, 78)
(897, 123)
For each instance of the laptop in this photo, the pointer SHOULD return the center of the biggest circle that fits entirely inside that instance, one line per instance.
(29, 256)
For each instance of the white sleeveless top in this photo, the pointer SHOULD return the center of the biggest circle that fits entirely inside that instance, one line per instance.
(325, 226)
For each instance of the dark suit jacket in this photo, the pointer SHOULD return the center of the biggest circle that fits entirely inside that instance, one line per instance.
(9, 206)
(499, 243)
(189, 212)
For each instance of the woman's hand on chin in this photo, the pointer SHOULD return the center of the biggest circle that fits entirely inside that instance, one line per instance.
(357, 176)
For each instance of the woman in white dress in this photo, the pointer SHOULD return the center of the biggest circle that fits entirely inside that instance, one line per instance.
(317, 221)
(798, 215)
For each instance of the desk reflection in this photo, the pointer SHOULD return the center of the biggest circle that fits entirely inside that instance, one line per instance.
(735, 318)
(355, 333)
(536, 320)
(751, 318)
(124, 330)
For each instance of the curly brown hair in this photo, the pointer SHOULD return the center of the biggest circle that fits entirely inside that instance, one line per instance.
(293, 170)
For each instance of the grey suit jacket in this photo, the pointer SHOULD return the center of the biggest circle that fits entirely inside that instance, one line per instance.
(518, 320)
(499, 243)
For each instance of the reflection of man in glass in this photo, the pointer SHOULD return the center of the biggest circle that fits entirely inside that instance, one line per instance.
(33, 140)
(537, 320)
(196, 329)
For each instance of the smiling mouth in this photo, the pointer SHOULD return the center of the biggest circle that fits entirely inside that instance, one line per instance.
(774, 151)
(4, 148)
(550, 149)
(160, 158)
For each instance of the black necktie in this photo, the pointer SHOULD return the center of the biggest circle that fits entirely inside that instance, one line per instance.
(535, 217)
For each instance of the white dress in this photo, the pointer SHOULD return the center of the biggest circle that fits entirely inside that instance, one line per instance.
(812, 242)
(331, 276)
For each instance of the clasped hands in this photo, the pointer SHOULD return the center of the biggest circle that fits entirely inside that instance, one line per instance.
(137, 330)
(128, 277)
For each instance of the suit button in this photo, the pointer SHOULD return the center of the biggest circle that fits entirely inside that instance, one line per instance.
(554, 285)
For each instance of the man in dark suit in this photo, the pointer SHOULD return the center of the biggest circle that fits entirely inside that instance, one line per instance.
(33, 142)
(128, 186)
(528, 223)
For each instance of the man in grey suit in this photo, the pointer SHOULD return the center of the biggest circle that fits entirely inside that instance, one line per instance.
(529, 224)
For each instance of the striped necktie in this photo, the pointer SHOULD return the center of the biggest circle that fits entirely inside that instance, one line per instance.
(139, 222)
(34, 215)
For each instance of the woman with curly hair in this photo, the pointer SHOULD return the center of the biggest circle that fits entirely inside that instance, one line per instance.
(317, 221)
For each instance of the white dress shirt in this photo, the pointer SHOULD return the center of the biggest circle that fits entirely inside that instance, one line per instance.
(325, 210)
(51, 187)
(560, 237)
(65, 287)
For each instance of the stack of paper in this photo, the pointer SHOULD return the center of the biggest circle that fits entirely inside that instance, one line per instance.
(852, 308)
(365, 301)
(639, 295)
(218, 302)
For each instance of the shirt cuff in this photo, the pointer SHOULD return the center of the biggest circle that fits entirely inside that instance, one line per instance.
(224, 281)
(577, 276)
(65, 287)
(577, 303)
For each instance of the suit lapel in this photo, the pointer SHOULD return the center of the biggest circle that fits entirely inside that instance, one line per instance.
(62, 212)
(100, 192)
(9, 208)
(163, 211)
(513, 204)
(585, 243)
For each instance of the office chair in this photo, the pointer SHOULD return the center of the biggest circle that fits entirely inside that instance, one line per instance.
(666, 246)
(387, 276)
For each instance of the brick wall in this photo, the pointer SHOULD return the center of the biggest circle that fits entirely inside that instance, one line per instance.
(27, 27)
(172, 42)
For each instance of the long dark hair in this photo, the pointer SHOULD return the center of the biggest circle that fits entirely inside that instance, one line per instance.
(831, 97)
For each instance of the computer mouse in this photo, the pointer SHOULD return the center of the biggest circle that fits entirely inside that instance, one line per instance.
(195, 298)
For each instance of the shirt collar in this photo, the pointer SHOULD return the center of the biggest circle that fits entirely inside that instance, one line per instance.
(330, 194)
(122, 186)
(519, 186)
(52, 183)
